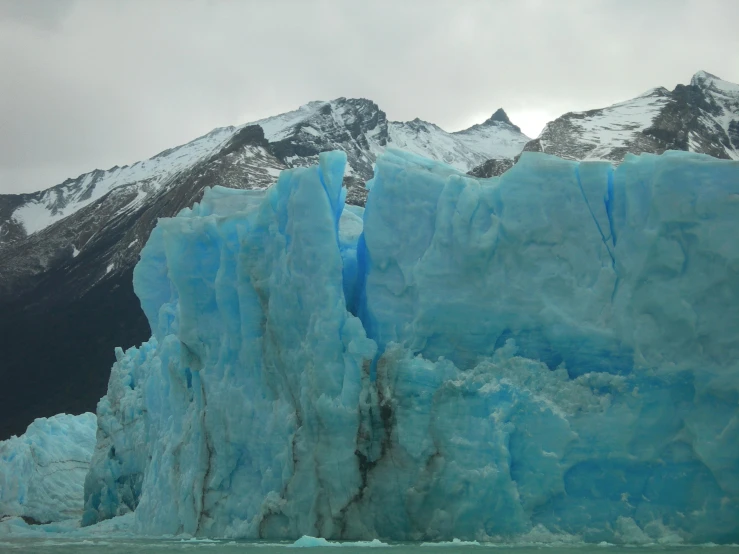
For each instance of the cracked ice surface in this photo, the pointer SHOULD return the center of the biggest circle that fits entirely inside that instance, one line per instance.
(551, 351)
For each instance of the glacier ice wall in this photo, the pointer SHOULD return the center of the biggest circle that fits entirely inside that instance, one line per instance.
(42, 472)
(250, 384)
(554, 350)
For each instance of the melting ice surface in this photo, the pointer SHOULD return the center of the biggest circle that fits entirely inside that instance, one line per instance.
(551, 353)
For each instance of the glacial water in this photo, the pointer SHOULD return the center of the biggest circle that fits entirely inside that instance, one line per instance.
(130, 546)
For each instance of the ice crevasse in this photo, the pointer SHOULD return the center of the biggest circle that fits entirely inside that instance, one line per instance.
(554, 350)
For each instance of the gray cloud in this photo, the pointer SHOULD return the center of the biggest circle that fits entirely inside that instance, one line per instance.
(40, 14)
(96, 83)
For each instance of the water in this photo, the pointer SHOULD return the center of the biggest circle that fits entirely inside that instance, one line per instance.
(131, 546)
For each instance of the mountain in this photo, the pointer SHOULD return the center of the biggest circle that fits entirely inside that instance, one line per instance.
(361, 129)
(67, 253)
(700, 117)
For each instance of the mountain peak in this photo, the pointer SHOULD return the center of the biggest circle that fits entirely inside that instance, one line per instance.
(499, 115)
(702, 76)
(708, 82)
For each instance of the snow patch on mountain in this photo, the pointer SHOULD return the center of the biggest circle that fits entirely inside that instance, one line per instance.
(616, 124)
(280, 126)
(701, 117)
(49, 206)
(497, 138)
(462, 150)
(726, 95)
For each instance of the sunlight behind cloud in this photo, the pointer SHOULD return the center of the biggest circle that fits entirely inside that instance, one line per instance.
(532, 122)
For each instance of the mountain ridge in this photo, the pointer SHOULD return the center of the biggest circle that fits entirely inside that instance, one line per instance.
(701, 117)
(23, 214)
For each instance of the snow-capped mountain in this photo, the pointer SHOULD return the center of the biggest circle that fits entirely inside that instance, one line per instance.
(38, 210)
(700, 117)
(361, 129)
(67, 253)
(295, 138)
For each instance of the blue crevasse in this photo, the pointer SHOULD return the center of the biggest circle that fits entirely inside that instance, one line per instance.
(554, 350)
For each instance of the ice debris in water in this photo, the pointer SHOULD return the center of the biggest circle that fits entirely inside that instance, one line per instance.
(307, 541)
(42, 472)
(550, 353)
(453, 542)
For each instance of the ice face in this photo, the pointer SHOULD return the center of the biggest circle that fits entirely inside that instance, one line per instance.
(42, 472)
(549, 352)
(254, 364)
(603, 270)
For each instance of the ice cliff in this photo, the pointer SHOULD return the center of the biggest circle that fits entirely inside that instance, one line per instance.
(42, 472)
(552, 351)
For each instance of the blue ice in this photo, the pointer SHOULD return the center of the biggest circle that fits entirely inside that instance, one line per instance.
(553, 351)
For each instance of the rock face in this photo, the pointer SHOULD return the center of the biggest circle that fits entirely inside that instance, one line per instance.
(67, 253)
(549, 352)
(491, 168)
(700, 117)
(42, 472)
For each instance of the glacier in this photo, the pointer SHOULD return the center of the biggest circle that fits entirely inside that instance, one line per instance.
(549, 352)
(42, 472)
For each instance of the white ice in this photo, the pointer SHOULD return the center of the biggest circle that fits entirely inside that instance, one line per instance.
(42, 472)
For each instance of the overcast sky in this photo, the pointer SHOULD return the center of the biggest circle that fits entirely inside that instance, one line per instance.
(92, 84)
